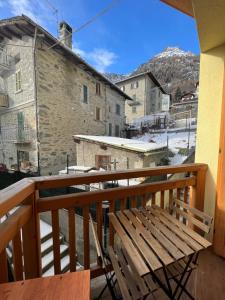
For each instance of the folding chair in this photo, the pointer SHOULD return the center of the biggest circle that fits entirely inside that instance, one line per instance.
(201, 223)
(130, 284)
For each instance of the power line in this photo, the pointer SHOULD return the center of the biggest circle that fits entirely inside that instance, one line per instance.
(90, 21)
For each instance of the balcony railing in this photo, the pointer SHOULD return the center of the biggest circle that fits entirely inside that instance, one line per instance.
(22, 227)
(17, 135)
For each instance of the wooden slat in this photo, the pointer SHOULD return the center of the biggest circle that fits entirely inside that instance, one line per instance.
(72, 239)
(138, 261)
(17, 257)
(123, 203)
(121, 281)
(56, 241)
(128, 274)
(13, 195)
(144, 200)
(153, 243)
(170, 199)
(147, 253)
(111, 230)
(193, 220)
(153, 198)
(31, 244)
(133, 202)
(169, 234)
(99, 220)
(178, 197)
(169, 247)
(82, 199)
(162, 199)
(186, 190)
(10, 227)
(139, 280)
(86, 237)
(186, 229)
(57, 181)
(195, 211)
(3, 267)
(191, 242)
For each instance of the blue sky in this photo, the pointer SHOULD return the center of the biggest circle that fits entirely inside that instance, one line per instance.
(129, 34)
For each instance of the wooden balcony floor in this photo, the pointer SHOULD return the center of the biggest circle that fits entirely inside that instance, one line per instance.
(206, 283)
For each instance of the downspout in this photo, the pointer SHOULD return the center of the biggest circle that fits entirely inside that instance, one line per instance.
(145, 100)
(106, 109)
(36, 102)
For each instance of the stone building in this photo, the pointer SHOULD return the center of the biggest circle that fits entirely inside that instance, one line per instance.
(48, 94)
(117, 153)
(146, 93)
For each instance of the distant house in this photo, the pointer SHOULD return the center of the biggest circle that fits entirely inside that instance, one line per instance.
(188, 97)
(146, 93)
(47, 94)
(117, 153)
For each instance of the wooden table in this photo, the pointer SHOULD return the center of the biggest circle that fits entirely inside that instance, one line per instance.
(158, 243)
(67, 286)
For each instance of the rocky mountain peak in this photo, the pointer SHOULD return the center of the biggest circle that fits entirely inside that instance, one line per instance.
(173, 51)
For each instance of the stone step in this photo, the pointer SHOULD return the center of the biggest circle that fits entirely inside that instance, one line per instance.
(48, 259)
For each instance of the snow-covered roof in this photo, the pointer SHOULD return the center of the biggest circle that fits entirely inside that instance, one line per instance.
(132, 145)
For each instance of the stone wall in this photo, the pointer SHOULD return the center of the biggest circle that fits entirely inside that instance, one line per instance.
(86, 152)
(61, 110)
(21, 58)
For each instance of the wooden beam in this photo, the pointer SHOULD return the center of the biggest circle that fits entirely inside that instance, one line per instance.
(185, 6)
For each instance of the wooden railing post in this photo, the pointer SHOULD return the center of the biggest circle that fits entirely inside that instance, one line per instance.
(31, 243)
(197, 193)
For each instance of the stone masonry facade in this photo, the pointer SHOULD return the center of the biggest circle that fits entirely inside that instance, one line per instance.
(51, 100)
(146, 95)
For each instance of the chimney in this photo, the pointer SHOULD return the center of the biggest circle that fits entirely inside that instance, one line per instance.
(65, 34)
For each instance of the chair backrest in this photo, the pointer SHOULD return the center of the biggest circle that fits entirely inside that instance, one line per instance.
(98, 246)
(192, 215)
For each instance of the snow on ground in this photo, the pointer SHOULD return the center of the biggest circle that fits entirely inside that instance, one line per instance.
(176, 141)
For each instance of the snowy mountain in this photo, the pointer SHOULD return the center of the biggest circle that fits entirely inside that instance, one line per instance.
(175, 69)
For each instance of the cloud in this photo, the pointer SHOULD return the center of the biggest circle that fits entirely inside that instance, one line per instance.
(100, 58)
(33, 9)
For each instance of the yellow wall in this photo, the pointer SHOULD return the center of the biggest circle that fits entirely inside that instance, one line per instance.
(209, 116)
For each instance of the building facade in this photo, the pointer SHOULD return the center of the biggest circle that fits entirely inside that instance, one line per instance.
(112, 153)
(146, 93)
(48, 94)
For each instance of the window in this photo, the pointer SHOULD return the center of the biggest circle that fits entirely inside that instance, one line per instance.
(134, 97)
(103, 161)
(98, 114)
(117, 130)
(110, 129)
(118, 109)
(134, 85)
(109, 108)
(18, 81)
(85, 94)
(134, 109)
(98, 88)
(20, 122)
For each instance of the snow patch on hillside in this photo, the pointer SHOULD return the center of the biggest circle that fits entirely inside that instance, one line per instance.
(173, 51)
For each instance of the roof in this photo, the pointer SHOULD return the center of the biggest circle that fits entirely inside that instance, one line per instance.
(152, 77)
(126, 144)
(23, 25)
